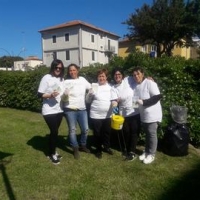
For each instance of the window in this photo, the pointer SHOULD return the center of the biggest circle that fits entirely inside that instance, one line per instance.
(153, 48)
(93, 56)
(67, 55)
(54, 55)
(92, 38)
(109, 45)
(144, 49)
(54, 38)
(67, 37)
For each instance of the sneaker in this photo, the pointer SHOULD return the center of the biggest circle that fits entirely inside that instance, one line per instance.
(58, 156)
(54, 159)
(143, 156)
(149, 159)
(130, 157)
(84, 149)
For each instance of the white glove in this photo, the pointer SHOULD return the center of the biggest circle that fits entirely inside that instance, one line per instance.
(91, 92)
(114, 104)
(66, 92)
(140, 102)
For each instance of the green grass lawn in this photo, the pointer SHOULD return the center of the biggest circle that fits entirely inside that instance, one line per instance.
(27, 174)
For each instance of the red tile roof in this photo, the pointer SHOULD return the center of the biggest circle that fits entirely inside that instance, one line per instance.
(76, 23)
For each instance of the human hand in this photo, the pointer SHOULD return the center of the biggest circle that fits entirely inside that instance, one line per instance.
(54, 94)
(139, 101)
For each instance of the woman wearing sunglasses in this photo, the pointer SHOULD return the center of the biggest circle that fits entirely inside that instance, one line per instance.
(50, 90)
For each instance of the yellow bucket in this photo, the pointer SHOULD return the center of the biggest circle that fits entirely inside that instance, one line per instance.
(117, 122)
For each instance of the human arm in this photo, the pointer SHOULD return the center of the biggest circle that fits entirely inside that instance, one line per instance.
(151, 101)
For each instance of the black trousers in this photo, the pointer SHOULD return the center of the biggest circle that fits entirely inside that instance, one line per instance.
(101, 130)
(131, 130)
(53, 121)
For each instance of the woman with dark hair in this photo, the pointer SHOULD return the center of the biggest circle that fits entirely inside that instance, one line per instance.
(150, 112)
(50, 90)
(75, 108)
(122, 98)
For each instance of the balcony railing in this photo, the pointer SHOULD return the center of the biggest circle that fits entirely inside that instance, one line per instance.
(109, 48)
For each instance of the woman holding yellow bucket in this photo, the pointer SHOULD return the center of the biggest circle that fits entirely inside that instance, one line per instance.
(122, 98)
(100, 113)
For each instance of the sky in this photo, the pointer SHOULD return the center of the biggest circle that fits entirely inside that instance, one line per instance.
(21, 20)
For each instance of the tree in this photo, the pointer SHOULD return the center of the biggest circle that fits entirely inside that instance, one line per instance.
(165, 24)
(8, 61)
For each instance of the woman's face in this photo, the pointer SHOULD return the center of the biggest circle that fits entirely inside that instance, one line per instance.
(138, 76)
(73, 72)
(57, 70)
(102, 79)
(118, 77)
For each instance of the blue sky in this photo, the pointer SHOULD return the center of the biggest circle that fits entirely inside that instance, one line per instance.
(20, 20)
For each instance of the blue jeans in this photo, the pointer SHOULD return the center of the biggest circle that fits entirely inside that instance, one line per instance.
(72, 118)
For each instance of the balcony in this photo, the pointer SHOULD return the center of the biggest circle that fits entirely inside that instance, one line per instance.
(110, 49)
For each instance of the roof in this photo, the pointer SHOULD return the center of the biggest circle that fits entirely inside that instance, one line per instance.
(76, 23)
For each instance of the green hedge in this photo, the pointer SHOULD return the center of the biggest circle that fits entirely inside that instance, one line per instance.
(177, 78)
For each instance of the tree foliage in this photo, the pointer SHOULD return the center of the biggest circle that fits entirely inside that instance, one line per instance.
(165, 24)
(8, 61)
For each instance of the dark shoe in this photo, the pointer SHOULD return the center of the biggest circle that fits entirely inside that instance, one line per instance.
(54, 159)
(109, 151)
(84, 149)
(76, 153)
(99, 154)
(130, 157)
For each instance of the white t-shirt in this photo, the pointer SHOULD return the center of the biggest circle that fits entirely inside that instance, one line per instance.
(101, 104)
(124, 92)
(145, 90)
(77, 91)
(48, 84)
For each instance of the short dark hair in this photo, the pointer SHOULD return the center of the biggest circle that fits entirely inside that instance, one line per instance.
(117, 69)
(138, 68)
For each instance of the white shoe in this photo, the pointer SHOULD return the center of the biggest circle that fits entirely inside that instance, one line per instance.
(149, 159)
(143, 156)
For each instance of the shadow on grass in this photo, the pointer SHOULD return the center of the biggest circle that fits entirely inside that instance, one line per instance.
(40, 143)
(187, 187)
(6, 180)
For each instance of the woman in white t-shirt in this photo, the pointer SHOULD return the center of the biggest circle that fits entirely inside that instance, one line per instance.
(50, 90)
(122, 98)
(75, 108)
(150, 112)
(100, 113)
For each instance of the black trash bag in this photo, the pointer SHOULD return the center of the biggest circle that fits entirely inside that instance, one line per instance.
(176, 140)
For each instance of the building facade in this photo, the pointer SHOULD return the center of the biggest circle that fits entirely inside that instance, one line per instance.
(126, 47)
(29, 63)
(78, 42)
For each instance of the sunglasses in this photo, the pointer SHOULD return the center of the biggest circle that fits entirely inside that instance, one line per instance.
(58, 68)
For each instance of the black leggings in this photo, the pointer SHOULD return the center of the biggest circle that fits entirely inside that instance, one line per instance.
(101, 131)
(53, 121)
(131, 130)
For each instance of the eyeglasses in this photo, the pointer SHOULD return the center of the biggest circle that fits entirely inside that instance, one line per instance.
(58, 68)
(118, 74)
